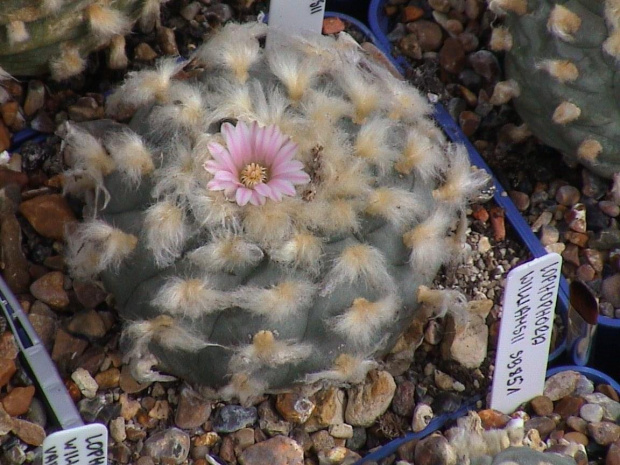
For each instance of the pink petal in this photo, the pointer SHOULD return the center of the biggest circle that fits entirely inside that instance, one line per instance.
(257, 199)
(285, 153)
(264, 190)
(213, 167)
(287, 167)
(222, 157)
(298, 177)
(243, 196)
(216, 185)
(282, 185)
(238, 142)
(226, 176)
(263, 145)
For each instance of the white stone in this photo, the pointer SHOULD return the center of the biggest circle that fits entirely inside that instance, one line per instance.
(468, 346)
(341, 431)
(85, 383)
(591, 412)
(117, 429)
(368, 401)
(422, 416)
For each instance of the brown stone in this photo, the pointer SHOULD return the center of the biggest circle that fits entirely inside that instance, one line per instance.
(87, 323)
(192, 410)
(329, 409)
(7, 370)
(333, 25)
(469, 122)
(544, 425)
(279, 450)
(498, 223)
(144, 52)
(577, 437)
(613, 454)
(452, 56)
(8, 177)
(604, 432)
(608, 390)
(5, 137)
(493, 419)
(50, 289)
(128, 384)
(294, 407)
(48, 214)
(14, 263)
(17, 402)
(89, 294)
(9, 111)
(568, 406)
(167, 41)
(67, 347)
(542, 405)
(577, 238)
(29, 432)
(412, 13)
(8, 346)
(321, 441)
(108, 379)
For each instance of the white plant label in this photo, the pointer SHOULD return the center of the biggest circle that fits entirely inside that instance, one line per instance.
(525, 332)
(297, 15)
(84, 445)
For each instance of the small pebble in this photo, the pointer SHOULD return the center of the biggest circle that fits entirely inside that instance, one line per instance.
(172, 443)
(422, 416)
(604, 432)
(85, 382)
(279, 450)
(231, 418)
(591, 413)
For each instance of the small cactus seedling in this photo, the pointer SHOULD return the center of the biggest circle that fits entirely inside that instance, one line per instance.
(55, 36)
(563, 57)
(268, 215)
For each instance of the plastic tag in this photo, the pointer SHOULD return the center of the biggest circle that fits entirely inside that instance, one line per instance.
(525, 332)
(84, 445)
(297, 15)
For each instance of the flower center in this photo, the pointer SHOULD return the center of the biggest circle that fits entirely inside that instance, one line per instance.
(253, 174)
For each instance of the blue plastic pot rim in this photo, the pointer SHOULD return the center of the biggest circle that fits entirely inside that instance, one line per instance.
(438, 422)
(378, 24)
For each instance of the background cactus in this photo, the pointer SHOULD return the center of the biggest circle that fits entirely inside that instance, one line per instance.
(253, 278)
(55, 36)
(564, 58)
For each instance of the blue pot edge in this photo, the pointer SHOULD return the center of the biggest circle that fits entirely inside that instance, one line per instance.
(391, 447)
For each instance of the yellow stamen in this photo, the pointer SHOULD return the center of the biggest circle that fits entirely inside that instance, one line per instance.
(253, 174)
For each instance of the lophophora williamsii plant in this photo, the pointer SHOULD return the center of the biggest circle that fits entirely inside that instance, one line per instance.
(55, 36)
(269, 214)
(561, 61)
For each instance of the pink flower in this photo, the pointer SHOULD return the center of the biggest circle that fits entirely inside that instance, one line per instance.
(256, 164)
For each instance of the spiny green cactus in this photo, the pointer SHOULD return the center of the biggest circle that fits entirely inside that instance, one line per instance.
(55, 36)
(563, 56)
(269, 216)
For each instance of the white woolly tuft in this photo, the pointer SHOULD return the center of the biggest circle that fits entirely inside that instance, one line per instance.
(398, 206)
(364, 319)
(373, 144)
(302, 251)
(359, 262)
(245, 388)
(270, 107)
(232, 101)
(420, 154)
(88, 158)
(4, 76)
(95, 246)
(117, 58)
(504, 91)
(133, 159)
(184, 110)
(51, 6)
(427, 242)
(106, 22)
(462, 182)
(269, 224)
(164, 330)
(278, 302)
(235, 48)
(566, 112)
(346, 369)
(563, 23)
(562, 70)
(190, 298)
(213, 211)
(145, 87)
(405, 102)
(442, 301)
(149, 16)
(612, 14)
(226, 254)
(331, 217)
(342, 177)
(165, 231)
(295, 71)
(16, 32)
(67, 64)
(266, 350)
(501, 39)
(500, 7)
(611, 45)
(365, 96)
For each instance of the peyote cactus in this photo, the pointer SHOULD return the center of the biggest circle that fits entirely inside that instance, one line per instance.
(55, 36)
(269, 214)
(563, 55)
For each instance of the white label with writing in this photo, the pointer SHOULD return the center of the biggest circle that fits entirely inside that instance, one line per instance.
(84, 445)
(297, 15)
(525, 332)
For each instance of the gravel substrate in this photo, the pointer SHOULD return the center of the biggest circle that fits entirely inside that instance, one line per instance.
(573, 212)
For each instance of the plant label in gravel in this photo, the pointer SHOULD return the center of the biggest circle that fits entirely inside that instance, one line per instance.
(525, 332)
(297, 15)
(84, 445)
